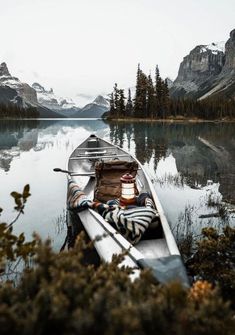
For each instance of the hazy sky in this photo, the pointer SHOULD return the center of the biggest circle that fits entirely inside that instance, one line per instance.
(85, 46)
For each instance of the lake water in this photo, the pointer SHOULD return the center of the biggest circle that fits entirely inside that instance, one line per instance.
(192, 167)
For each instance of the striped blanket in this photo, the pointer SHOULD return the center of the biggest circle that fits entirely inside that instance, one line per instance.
(130, 222)
(76, 199)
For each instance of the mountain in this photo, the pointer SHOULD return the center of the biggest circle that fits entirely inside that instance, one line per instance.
(94, 109)
(47, 103)
(12, 90)
(208, 70)
(67, 107)
(169, 82)
(47, 98)
(225, 83)
(7, 95)
(27, 93)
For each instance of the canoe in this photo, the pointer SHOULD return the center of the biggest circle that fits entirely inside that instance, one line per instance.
(157, 250)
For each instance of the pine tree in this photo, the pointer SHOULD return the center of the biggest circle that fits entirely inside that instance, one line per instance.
(116, 100)
(138, 102)
(144, 89)
(162, 95)
(129, 105)
(121, 103)
(165, 99)
(112, 106)
(158, 92)
(140, 106)
(151, 100)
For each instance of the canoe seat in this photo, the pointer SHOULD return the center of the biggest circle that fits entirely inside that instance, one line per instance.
(108, 176)
(93, 142)
(98, 152)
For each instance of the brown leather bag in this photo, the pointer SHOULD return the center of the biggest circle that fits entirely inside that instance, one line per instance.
(108, 174)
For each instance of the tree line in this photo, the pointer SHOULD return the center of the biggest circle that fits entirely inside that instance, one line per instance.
(152, 101)
(208, 109)
(15, 111)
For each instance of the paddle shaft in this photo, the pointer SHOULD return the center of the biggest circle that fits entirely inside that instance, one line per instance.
(71, 173)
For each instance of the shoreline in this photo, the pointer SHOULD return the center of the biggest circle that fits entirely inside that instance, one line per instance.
(172, 120)
(169, 120)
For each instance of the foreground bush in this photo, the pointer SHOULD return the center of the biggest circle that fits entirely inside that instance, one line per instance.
(214, 260)
(62, 294)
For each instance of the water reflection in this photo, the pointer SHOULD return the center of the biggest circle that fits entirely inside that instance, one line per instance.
(189, 163)
(15, 137)
(202, 152)
(24, 135)
(29, 150)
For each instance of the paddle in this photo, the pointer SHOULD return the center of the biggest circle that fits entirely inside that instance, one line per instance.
(60, 170)
(71, 173)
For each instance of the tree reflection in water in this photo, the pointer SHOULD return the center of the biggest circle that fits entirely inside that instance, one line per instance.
(202, 151)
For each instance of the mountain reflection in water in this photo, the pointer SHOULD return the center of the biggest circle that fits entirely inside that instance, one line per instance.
(188, 164)
(202, 151)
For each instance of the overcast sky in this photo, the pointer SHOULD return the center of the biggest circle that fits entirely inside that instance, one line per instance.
(85, 46)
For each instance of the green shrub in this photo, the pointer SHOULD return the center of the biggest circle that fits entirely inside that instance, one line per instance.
(214, 260)
(63, 294)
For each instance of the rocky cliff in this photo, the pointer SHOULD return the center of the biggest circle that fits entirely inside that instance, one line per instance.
(4, 72)
(8, 94)
(229, 65)
(12, 90)
(26, 92)
(208, 70)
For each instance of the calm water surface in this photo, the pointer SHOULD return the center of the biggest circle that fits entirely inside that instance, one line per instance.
(192, 167)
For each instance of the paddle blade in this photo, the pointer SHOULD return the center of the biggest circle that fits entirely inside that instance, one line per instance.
(57, 170)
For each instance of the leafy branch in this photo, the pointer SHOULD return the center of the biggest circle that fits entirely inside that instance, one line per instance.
(12, 247)
(20, 200)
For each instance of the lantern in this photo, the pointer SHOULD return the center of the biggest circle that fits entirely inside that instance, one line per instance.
(128, 189)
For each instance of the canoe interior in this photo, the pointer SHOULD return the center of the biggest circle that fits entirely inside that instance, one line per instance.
(157, 241)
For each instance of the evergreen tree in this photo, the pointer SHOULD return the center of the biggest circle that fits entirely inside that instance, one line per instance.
(116, 100)
(112, 105)
(151, 99)
(165, 99)
(121, 103)
(158, 92)
(138, 102)
(11, 110)
(140, 106)
(129, 105)
(144, 89)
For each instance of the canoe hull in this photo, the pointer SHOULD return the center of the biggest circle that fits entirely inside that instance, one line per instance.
(160, 254)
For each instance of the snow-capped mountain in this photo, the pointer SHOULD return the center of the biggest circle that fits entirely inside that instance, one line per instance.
(214, 47)
(50, 100)
(94, 109)
(67, 107)
(101, 101)
(208, 70)
(24, 91)
(198, 71)
(46, 101)
(12, 90)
